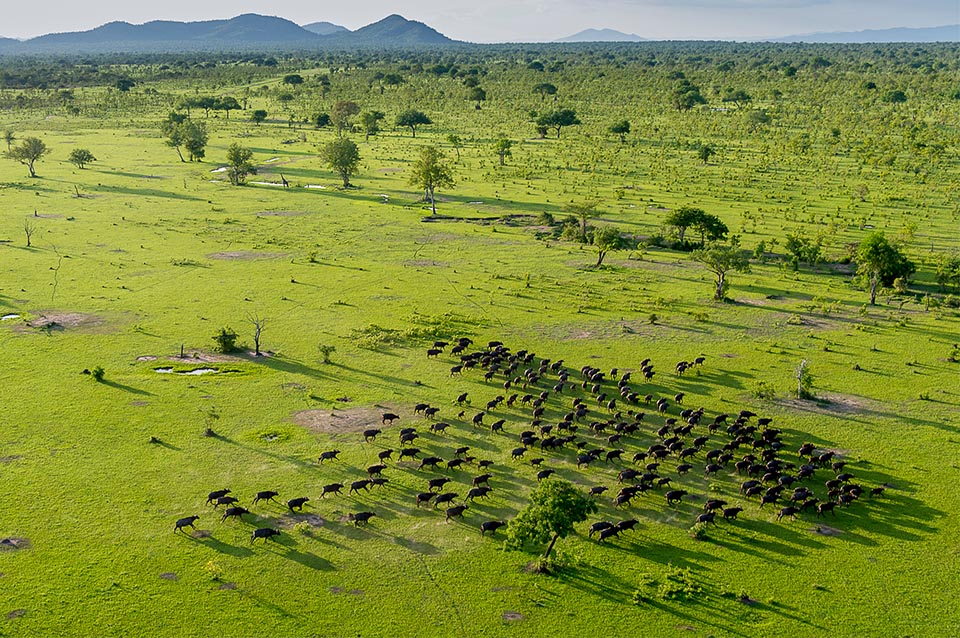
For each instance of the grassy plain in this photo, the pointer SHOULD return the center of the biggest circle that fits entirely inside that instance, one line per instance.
(156, 254)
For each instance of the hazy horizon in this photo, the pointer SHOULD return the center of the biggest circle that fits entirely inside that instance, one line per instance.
(524, 20)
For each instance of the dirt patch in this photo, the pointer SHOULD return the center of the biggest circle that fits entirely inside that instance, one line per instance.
(148, 357)
(206, 357)
(512, 616)
(281, 213)
(352, 420)
(56, 321)
(14, 543)
(824, 530)
(10, 459)
(168, 576)
(336, 590)
(291, 520)
(425, 263)
(139, 404)
(227, 586)
(245, 255)
(389, 170)
(16, 613)
(356, 592)
(201, 533)
(830, 404)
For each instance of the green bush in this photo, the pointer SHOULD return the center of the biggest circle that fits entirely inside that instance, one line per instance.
(226, 340)
(97, 374)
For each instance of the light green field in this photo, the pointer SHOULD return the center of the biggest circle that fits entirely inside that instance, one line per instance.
(155, 255)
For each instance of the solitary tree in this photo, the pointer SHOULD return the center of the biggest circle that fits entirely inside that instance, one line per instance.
(555, 507)
(705, 152)
(738, 97)
(239, 164)
(584, 211)
(9, 138)
(431, 172)
(227, 104)
(370, 120)
(545, 89)
(258, 117)
(621, 128)
(257, 322)
(81, 157)
(457, 142)
(293, 79)
(606, 239)
(412, 118)
(28, 152)
(502, 148)
(29, 228)
(558, 119)
(343, 157)
(477, 95)
(721, 259)
(880, 262)
(341, 115)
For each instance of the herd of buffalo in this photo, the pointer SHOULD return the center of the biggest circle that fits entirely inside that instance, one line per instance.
(582, 419)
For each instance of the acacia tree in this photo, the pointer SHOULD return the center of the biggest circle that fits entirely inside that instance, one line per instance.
(555, 507)
(545, 89)
(621, 128)
(431, 172)
(412, 118)
(258, 116)
(239, 164)
(685, 96)
(606, 239)
(81, 157)
(28, 152)
(683, 218)
(721, 259)
(343, 157)
(881, 262)
(558, 119)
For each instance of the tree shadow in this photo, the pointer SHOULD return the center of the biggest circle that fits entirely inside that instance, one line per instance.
(126, 388)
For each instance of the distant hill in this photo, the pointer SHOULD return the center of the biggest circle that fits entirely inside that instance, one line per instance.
(948, 33)
(244, 32)
(325, 28)
(602, 35)
(393, 31)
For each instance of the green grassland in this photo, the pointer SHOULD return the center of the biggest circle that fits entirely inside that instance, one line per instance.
(139, 255)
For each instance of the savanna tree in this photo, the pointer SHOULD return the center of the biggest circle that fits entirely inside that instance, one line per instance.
(881, 262)
(721, 259)
(430, 172)
(411, 118)
(28, 152)
(555, 507)
(239, 164)
(343, 157)
(81, 157)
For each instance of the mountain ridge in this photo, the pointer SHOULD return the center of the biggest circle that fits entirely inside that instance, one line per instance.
(602, 35)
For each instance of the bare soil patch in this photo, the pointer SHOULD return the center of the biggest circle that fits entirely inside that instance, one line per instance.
(67, 321)
(10, 459)
(14, 543)
(352, 420)
(148, 357)
(16, 613)
(245, 255)
(831, 404)
(824, 530)
(227, 586)
(291, 520)
(168, 576)
(425, 263)
(512, 616)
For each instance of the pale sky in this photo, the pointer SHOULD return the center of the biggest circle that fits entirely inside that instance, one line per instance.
(513, 20)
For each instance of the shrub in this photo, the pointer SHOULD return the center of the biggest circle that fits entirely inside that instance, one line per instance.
(764, 390)
(226, 340)
(326, 351)
(97, 374)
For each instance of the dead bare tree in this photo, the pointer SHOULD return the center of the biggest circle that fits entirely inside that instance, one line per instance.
(29, 228)
(258, 323)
